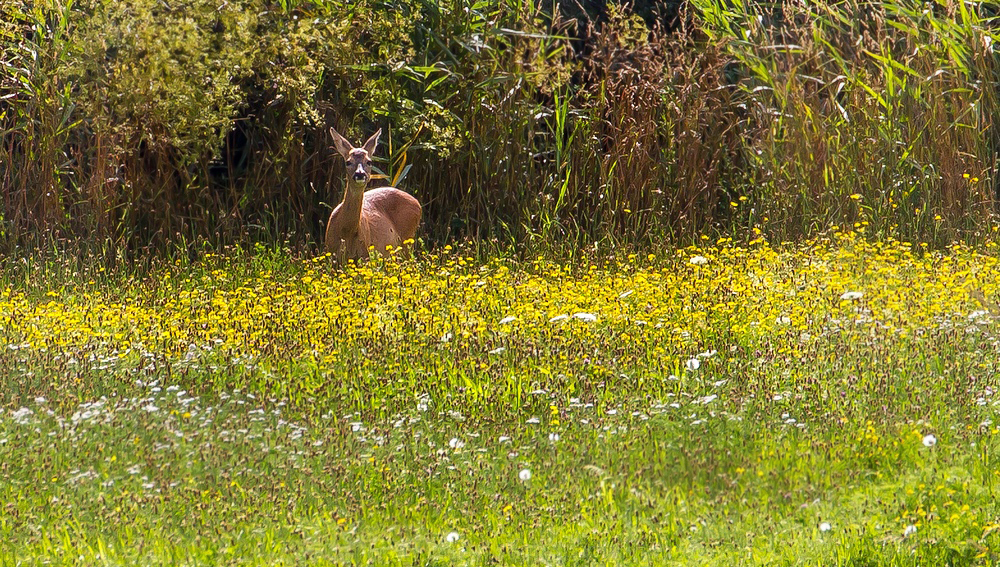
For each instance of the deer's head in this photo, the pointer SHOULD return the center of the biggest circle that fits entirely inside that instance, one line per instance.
(359, 160)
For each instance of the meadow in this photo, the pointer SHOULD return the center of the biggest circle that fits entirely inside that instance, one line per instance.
(827, 402)
(715, 284)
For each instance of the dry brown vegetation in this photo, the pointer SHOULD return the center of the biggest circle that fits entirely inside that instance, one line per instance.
(131, 126)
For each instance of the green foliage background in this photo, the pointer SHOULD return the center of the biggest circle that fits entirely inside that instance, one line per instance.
(142, 123)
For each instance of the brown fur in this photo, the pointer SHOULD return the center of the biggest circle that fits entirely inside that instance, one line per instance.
(381, 217)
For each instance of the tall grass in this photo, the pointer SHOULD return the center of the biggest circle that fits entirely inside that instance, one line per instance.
(129, 126)
(892, 103)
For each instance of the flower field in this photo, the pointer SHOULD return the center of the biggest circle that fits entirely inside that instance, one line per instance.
(824, 403)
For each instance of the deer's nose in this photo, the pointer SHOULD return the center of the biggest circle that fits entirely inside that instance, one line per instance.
(359, 173)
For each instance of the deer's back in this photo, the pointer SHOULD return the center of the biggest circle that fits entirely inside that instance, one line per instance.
(397, 207)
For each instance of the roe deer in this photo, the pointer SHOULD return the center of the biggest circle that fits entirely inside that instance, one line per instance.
(381, 217)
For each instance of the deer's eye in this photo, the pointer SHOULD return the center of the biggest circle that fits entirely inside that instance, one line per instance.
(368, 162)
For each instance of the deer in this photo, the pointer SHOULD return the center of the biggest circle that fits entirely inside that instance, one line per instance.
(381, 218)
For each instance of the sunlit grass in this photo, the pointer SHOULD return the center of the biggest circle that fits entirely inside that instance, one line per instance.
(811, 404)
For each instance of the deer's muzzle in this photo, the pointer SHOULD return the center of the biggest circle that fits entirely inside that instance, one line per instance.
(359, 173)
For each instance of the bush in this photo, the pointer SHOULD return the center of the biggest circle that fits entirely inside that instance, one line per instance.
(142, 123)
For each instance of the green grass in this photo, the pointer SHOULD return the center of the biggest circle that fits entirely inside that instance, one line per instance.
(122, 445)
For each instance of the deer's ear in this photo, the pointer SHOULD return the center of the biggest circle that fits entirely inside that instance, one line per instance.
(341, 144)
(372, 142)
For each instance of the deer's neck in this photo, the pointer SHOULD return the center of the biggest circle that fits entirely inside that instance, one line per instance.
(354, 195)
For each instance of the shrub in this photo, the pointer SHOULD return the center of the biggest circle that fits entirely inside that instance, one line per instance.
(143, 123)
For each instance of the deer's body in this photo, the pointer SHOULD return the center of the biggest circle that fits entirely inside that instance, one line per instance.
(380, 218)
